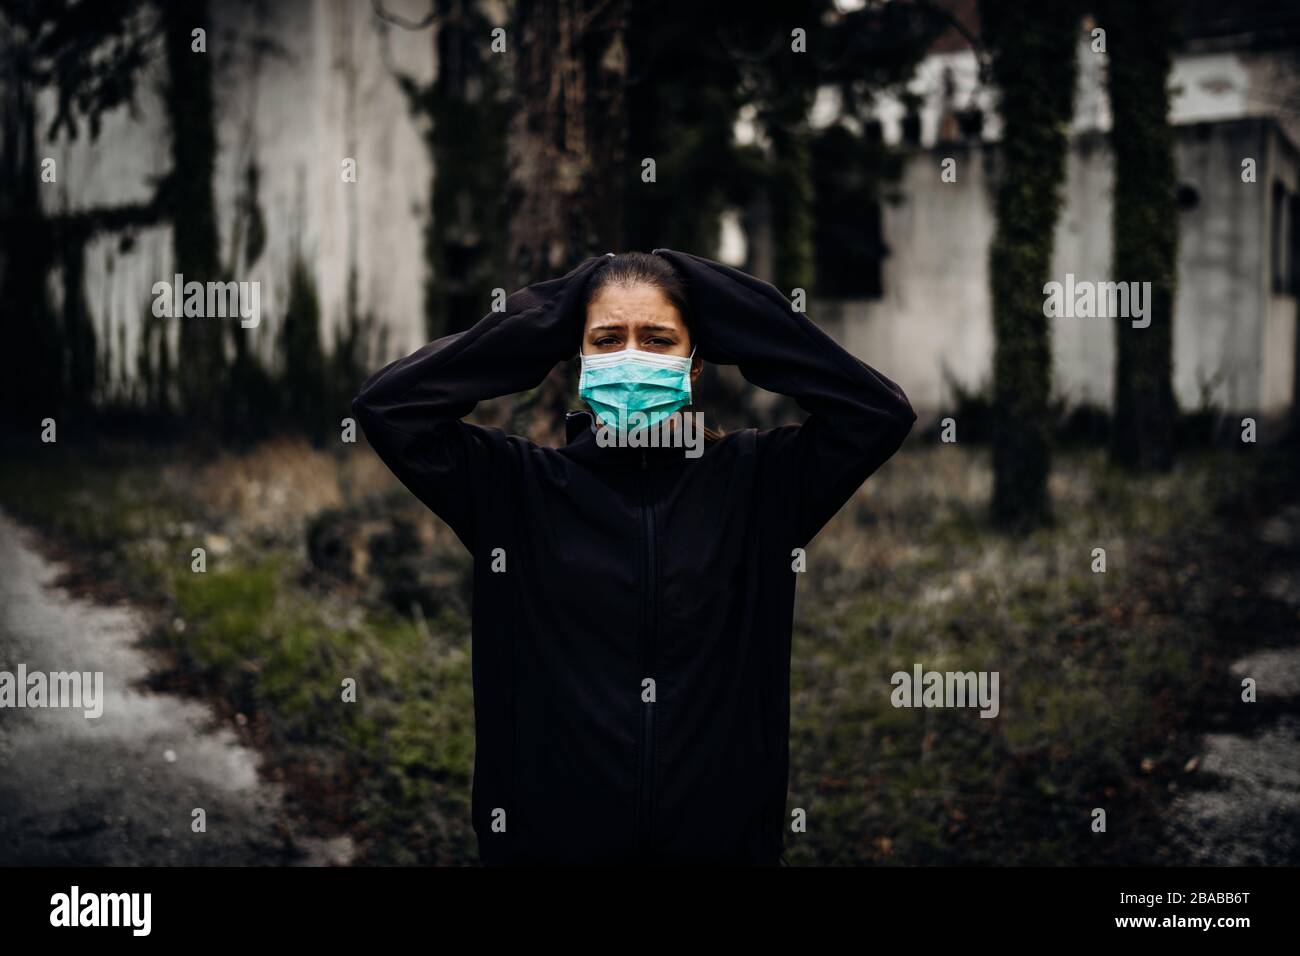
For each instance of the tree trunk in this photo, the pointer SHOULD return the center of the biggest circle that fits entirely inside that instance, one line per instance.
(792, 200)
(465, 237)
(566, 154)
(32, 380)
(1145, 223)
(566, 146)
(189, 102)
(1033, 60)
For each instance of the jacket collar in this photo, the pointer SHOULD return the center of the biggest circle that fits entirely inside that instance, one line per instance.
(580, 432)
(577, 422)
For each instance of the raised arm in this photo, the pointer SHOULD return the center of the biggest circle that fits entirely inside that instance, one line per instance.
(857, 417)
(410, 410)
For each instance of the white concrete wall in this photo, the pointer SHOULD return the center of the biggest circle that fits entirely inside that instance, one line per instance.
(332, 96)
(1203, 86)
(934, 319)
(299, 115)
(1222, 270)
(1083, 349)
(1233, 345)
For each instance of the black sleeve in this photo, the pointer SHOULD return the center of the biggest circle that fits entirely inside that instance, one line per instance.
(857, 417)
(410, 410)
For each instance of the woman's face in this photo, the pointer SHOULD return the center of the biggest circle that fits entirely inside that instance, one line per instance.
(636, 317)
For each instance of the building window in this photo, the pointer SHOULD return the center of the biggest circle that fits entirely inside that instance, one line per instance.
(850, 172)
(1295, 244)
(1283, 240)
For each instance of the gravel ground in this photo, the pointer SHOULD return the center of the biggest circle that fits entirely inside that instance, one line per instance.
(1251, 813)
(120, 789)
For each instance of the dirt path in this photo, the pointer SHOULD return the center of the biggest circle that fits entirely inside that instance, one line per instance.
(119, 789)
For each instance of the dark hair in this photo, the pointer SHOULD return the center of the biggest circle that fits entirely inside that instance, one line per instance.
(634, 268)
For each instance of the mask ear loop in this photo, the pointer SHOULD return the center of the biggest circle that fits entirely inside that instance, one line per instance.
(690, 386)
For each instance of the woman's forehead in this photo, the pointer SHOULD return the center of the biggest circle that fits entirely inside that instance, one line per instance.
(637, 306)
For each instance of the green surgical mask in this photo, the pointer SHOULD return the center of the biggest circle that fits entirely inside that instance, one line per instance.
(618, 385)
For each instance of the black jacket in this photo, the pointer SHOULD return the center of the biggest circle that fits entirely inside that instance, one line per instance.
(623, 564)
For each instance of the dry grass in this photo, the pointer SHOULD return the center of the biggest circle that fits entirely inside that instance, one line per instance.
(324, 565)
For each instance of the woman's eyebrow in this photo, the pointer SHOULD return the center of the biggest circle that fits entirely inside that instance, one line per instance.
(621, 326)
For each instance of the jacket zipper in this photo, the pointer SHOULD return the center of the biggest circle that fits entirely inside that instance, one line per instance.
(645, 803)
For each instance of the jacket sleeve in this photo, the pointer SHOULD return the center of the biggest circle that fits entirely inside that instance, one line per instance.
(857, 418)
(410, 410)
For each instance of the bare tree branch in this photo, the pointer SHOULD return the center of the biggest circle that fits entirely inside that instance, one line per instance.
(586, 20)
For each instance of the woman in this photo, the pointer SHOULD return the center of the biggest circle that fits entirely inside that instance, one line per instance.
(633, 605)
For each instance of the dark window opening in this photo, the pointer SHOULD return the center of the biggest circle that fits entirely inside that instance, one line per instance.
(1188, 197)
(1295, 244)
(849, 173)
(971, 123)
(1283, 240)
